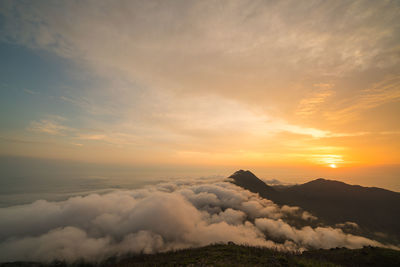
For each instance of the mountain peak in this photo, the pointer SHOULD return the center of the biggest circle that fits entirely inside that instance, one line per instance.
(249, 181)
(243, 172)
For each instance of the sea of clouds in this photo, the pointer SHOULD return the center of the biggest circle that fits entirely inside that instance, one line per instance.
(156, 218)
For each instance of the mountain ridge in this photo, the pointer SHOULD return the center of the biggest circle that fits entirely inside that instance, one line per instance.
(375, 210)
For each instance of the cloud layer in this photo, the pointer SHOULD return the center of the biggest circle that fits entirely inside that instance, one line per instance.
(157, 218)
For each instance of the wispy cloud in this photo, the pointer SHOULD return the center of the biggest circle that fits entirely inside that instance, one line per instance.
(31, 92)
(48, 126)
(312, 103)
(383, 92)
(199, 77)
(328, 159)
(92, 137)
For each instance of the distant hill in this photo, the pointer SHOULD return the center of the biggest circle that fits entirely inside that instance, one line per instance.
(375, 210)
(239, 255)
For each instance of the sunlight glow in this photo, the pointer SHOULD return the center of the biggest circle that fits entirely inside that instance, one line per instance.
(333, 165)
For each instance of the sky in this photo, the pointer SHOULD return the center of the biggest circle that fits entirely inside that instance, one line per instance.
(212, 85)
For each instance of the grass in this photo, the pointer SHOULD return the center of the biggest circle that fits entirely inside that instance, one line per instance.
(241, 255)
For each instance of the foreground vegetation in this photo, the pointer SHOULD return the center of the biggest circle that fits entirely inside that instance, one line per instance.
(240, 255)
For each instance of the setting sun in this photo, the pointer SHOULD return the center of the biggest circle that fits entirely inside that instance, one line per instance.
(333, 165)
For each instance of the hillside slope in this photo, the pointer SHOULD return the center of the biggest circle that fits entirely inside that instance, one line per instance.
(237, 255)
(376, 210)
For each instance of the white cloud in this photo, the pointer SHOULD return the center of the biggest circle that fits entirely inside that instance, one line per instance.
(156, 218)
(319, 237)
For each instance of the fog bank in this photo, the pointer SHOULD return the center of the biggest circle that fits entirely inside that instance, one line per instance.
(156, 218)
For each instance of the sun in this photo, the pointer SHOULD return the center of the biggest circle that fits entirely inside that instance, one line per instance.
(333, 165)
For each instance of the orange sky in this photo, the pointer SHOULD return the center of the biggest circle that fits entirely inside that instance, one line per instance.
(206, 83)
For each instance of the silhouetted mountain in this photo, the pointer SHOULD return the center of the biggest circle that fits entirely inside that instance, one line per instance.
(248, 180)
(375, 210)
